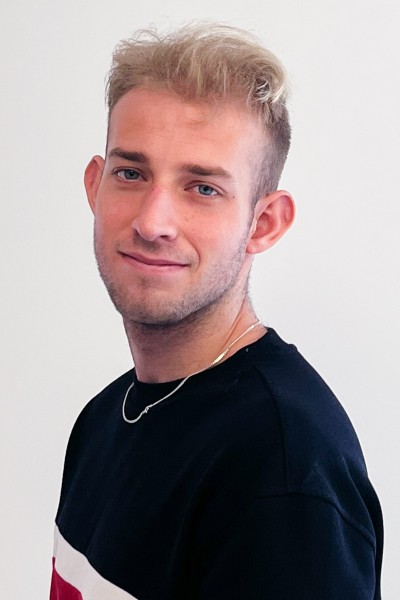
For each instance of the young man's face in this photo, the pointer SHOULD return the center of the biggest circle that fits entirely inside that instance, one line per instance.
(172, 205)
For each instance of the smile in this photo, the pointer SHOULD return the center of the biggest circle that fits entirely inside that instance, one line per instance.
(152, 265)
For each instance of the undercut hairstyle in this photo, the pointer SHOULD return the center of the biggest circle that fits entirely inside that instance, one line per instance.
(211, 62)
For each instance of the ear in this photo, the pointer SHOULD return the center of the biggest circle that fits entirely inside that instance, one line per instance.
(273, 215)
(92, 178)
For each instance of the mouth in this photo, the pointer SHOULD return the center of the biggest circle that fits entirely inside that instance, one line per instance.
(156, 264)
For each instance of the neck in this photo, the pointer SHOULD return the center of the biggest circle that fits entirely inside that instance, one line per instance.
(173, 352)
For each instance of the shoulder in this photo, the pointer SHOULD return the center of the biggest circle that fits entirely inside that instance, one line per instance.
(299, 434)
(291, 484)
(313, 422)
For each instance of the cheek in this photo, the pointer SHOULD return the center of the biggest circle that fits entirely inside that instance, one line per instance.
(110, 221)
(222, 243)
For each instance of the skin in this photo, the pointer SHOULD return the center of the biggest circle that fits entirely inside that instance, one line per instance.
(175, 227)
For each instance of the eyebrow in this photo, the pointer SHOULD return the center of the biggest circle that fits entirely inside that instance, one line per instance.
(194, 169)
(127, 155)
(205, 171)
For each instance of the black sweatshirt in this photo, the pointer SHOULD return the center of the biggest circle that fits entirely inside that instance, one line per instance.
(246, 484)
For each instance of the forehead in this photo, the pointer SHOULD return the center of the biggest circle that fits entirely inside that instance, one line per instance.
(156, 116)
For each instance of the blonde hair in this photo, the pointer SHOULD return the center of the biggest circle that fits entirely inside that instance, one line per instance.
(210, 62)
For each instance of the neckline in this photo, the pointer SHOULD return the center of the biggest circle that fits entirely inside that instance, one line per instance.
(150, 391)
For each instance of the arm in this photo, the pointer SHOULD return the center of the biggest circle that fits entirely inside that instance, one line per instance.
(290, 547)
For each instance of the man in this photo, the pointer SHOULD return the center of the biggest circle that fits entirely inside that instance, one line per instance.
(222, 466)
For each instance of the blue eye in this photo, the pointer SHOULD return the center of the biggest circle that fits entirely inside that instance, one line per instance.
(206, 190)
(128, 174)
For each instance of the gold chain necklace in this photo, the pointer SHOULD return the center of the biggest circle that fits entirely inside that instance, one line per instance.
(181, 383)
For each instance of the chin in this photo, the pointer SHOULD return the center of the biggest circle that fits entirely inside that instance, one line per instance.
(148, 316)
(157, 317)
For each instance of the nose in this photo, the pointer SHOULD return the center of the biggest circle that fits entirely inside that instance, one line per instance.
(156, 216)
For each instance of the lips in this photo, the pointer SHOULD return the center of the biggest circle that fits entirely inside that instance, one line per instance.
(150, 261)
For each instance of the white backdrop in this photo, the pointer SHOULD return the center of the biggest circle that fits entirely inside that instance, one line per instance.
(331, 285)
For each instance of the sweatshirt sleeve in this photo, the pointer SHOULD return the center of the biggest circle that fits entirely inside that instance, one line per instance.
(290, 547)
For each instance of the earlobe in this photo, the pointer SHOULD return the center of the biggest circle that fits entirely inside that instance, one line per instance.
(273, 215)
(92, 178)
